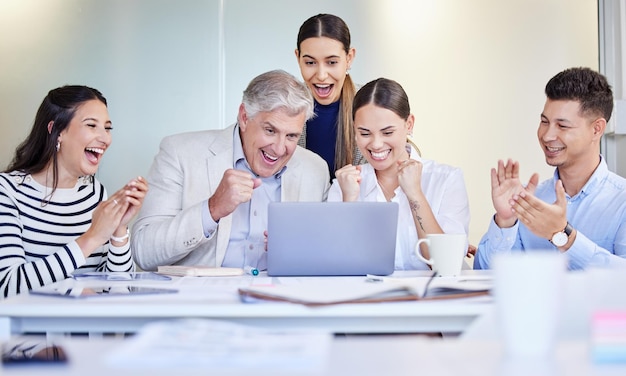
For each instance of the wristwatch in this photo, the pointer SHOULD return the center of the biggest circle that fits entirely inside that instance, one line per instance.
(560, 238)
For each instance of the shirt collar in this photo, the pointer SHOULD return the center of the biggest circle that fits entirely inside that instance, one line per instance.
(601, 172)
(239, 157)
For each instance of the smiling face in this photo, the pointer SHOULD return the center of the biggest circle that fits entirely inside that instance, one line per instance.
(269, 139)
(381, 136)
(83, 142)
(567, 137)
(324, 64)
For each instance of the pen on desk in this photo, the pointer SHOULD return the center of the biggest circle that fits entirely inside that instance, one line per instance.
(430, 279)
(250, 270)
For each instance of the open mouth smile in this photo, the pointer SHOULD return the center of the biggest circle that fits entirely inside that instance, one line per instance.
(94, 154)
(323, 90)
(269, 158)
(381, 155)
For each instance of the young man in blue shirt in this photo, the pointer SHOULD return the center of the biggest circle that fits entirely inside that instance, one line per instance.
(581, 210)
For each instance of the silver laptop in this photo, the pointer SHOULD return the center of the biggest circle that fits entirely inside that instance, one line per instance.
(331, 238)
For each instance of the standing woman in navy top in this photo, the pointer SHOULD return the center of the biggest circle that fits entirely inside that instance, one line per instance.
(324, 55)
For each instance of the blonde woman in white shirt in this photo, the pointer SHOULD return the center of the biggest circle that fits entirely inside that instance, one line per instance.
(432, 196)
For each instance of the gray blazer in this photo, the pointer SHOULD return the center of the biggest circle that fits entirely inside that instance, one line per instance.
(184, 174)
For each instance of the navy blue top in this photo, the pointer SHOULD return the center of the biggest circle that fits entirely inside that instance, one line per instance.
(321, 133)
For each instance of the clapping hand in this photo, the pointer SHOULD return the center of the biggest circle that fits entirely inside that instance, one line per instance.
(505, 184)
(541, 218)
(111, 217)
(133, 194)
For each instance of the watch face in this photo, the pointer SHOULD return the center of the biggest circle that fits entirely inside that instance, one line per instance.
(559, 239)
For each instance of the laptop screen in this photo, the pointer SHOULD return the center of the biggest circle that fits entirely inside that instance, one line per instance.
(331, 238)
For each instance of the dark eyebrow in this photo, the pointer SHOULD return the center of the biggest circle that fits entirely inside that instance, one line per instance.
(562, 120)
(388, 127)
(96, 120)
(327, 57)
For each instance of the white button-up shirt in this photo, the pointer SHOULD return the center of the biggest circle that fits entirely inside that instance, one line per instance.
(444, 188)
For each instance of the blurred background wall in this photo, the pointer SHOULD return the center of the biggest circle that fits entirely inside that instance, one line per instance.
(474, 70)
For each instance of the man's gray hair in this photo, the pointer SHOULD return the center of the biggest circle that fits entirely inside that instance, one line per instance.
(277, 90)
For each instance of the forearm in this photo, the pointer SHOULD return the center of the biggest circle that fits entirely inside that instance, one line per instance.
(164, 239)
(89, 243)
(449, 203)
(17, 275)
(118, 259)
(496, 240)
(423, 217)
(585, 253)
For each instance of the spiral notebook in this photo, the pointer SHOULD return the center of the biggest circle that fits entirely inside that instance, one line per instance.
(331, 238)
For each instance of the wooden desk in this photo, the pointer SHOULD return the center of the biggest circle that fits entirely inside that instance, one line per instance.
(216, 298)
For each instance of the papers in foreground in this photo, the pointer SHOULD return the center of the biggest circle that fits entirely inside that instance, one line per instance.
(219, 345)
(371, 290)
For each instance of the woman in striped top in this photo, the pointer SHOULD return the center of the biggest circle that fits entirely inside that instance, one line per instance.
(55, 217)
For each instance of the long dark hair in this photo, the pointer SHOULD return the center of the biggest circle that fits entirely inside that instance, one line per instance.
(38, 150)
(333, 27)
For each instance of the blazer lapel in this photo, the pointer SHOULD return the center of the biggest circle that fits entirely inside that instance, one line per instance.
(291, 181)
(219, 159)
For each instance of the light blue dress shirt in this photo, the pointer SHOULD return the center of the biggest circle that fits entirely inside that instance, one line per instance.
(597, 212)
(246, 246)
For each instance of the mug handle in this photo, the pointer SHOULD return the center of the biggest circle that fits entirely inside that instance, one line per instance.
(418, 251)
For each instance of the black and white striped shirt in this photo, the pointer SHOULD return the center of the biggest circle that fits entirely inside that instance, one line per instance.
(37, 236)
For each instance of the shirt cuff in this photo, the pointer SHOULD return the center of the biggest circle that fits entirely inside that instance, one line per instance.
(502, 238)
(209, 226)
(584, 253)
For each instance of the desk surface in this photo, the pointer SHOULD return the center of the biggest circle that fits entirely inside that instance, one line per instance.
(366, 355)
(217, 298)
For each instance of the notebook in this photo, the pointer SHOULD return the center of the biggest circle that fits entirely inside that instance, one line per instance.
(331, 238)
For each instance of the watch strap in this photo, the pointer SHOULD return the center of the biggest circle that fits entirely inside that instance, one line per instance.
(568, 229)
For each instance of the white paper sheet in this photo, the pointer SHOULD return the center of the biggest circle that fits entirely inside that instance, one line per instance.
(220, 345)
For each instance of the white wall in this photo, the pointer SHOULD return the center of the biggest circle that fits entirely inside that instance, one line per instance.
(152, 60)
(474, 70)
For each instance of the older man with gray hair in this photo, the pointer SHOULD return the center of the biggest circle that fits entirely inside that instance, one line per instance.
(210, 190)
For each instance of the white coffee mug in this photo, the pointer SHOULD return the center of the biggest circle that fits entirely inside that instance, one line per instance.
(446, 253)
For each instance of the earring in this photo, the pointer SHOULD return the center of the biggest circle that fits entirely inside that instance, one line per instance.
(58, 146)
